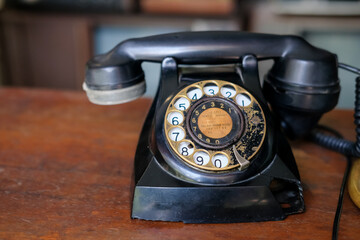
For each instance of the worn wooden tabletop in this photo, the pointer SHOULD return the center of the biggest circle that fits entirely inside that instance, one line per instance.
(66, 167)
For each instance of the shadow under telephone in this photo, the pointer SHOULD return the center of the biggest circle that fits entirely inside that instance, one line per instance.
(212, 149)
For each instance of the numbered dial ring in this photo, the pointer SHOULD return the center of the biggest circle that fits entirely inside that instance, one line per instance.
(215, 125)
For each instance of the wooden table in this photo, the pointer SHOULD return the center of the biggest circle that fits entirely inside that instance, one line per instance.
(66, 167)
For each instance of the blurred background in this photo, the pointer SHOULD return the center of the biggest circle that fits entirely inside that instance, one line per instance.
(46, 43)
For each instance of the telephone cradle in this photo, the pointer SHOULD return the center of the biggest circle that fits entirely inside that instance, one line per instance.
(213, 146)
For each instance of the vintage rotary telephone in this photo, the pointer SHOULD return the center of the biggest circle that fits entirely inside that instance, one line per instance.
(211, 149)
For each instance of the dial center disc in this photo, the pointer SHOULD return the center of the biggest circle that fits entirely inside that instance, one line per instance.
(215, 123)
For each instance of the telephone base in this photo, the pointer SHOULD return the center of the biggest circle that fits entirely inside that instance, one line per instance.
(260, 199)
(206, 204)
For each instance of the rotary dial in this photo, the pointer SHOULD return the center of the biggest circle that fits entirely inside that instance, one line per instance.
(215, 125)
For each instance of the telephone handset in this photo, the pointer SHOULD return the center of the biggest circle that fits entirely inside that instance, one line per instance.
(211, 150)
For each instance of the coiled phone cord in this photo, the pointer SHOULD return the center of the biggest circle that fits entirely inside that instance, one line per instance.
(337, 143)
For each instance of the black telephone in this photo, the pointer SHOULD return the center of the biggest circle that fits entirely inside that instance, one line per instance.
(211, 149)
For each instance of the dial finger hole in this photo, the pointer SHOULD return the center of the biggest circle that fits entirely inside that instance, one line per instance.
(243, 100)
(176, 134)
(175, 118)
(194, 93)
(220, 160)
(182, 104)
(211, 89)
(228, 91)
(201, 158)
(186, 148)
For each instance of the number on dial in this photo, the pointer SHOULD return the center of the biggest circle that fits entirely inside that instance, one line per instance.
(176, 134)
(220, 160)
(182, 104)
(175, 118)
(186, 148)
(228, 91)
(194, 93)
(243, 100)
(201, 158)
(211, 89)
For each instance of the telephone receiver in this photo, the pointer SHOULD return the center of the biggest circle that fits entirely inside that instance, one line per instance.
(213, 146)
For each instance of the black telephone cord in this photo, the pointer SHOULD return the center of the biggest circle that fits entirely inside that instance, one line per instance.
(337, 143)
(319, 137)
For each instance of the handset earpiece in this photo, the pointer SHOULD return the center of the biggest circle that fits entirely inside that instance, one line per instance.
(113, 78)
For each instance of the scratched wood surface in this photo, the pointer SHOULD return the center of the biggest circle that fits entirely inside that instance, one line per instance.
(66, 168)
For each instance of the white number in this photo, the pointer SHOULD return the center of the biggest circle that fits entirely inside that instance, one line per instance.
(175, 118)
(176, 134)
(243, 100)
(211, 90)
(182, 104)
(220, 160)
(228, 91)
(201, 158)
(194, 94)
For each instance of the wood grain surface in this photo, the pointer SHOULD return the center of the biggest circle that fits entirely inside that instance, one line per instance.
(66, 167)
